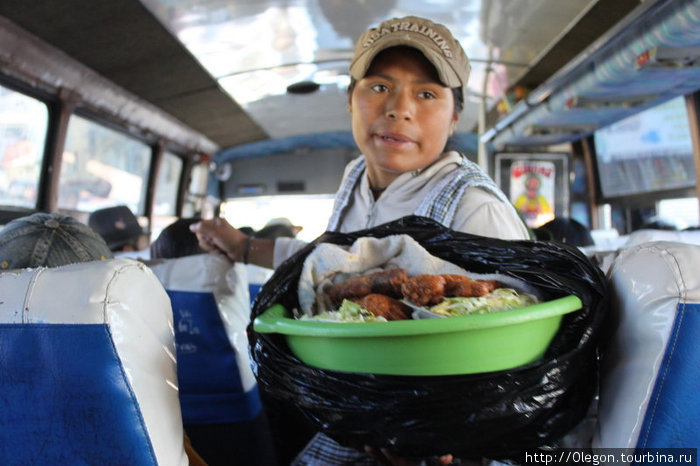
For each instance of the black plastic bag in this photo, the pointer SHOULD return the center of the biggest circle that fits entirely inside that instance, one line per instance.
(497, 414)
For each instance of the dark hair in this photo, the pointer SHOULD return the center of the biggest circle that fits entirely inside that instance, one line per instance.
(176, 240)
(565, 230)
(659, 224)
(117, 225)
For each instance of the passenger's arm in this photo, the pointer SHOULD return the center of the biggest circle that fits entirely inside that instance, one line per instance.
(217, 235)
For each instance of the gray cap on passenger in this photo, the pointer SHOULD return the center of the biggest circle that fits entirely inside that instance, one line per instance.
(49, 240)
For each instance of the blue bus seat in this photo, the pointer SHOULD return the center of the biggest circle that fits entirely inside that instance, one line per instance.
(218, 390)
(257, 276)
(651, 372)
(88, 369)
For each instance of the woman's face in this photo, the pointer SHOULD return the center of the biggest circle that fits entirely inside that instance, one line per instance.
(401, 113)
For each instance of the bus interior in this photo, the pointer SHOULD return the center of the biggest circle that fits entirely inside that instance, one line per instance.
(204, 97)
(239, 109)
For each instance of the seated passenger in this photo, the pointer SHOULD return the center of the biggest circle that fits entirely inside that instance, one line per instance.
(565, 230)
(176, 240)
(221, 407)
(659, 223)
(49, 240)
(280, 227)
(120, 229)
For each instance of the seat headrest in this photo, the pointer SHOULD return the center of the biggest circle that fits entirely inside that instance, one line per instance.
(124, 296)
(199, 272)
(647, 235)
(650, 374)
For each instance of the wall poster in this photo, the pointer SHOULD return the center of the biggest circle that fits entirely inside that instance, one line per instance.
(536, 183)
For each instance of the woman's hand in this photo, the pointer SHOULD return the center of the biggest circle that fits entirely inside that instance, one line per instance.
(386, 456)
(217, 235)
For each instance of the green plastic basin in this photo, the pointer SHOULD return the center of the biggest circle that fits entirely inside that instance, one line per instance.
(443, 346)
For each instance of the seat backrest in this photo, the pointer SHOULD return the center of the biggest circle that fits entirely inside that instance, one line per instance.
(651, 372)
(647, 235)
(257, 276)
(211, 310)
(88, 367)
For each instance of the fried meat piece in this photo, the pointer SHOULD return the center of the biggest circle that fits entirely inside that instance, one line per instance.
(458, 285)
(429, 289)
(387, 282)
(352, 288)
(424, 289)
(385, 306)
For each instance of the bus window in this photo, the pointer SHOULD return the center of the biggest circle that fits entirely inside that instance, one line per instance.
(165, 204)
(167, 185)
(197, 192)
(102, 168)
(646, 152)
(684, 211)
(648, 157)
(308, 211)
(22, 138)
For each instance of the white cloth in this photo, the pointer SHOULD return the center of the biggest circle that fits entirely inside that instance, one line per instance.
(125, 297)
(329, 264)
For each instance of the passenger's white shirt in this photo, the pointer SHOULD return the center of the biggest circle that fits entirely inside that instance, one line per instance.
(479, 212)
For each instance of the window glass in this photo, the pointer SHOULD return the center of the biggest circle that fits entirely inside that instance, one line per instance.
(197, 191)
(167, 185)
(165, 204)
(102, 168)
(23, 125)
(682, 212)
(311, 212)
(647, 152)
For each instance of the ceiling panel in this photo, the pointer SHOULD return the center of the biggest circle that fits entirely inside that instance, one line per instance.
(223, 66)
(257, 49)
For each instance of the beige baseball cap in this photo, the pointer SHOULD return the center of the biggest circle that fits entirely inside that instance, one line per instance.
(434, 40)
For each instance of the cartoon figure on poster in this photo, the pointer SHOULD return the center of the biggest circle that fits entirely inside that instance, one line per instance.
(532, 191)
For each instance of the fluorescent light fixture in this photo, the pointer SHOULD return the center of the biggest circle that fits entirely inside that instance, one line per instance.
(668, 58)
(550, 130)
(596, 103)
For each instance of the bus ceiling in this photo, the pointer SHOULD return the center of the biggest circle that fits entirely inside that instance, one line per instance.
(650, 57)
(214, 75)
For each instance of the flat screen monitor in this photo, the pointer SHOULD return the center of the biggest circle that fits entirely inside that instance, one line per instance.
(648, 152)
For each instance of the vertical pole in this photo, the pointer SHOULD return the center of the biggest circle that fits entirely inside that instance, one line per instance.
(591, 184)
(692, 104)
(51, 170)
(156, 162)
(481, 156)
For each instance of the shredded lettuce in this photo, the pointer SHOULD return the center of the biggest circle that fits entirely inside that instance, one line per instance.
(500, 299)
(349, 311)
